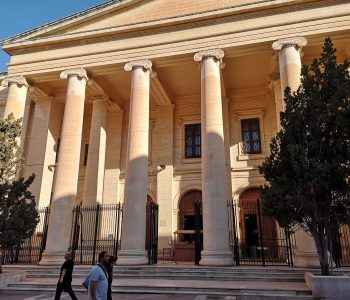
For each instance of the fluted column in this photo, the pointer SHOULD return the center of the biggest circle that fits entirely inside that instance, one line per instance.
(216, 250)
(290, 75)
(95, 167)
(289, 61)
(135, 194)
(17, 95)
(65, 187)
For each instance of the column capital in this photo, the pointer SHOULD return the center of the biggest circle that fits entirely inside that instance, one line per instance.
(145, 64)
(19, 80)
(79, 72)
(217, 54)
(298, 42)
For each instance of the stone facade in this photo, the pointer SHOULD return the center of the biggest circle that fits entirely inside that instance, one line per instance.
(122, 134)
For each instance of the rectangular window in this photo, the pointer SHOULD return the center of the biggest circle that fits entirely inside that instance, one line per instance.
(251, 136)
(86, 153)
(193, 141)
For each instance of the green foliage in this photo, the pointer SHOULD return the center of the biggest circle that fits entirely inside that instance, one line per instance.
(308, 170)
(10, 151)
(18, 216)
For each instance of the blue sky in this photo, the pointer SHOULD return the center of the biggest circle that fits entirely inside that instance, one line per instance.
(20, 15)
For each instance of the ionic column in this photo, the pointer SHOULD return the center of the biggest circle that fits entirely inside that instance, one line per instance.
(216, 250)
(17, 95)
(289, 61)
(135, 194)
(65, 187)
(95, 167)
(290, 75)
(38, 150)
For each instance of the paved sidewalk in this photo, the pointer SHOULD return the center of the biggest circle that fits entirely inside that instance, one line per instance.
(28, 295)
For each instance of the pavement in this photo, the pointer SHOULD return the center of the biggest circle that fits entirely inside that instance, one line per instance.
(28, 295)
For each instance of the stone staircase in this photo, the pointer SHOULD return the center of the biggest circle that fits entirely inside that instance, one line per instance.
(239, 282)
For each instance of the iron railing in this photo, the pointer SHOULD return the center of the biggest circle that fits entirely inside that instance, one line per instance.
(31, 250)
(341, 247)
(95, 228)
(256, 239)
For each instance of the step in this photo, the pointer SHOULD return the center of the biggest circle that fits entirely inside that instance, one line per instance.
(185, 277)
(169, 289)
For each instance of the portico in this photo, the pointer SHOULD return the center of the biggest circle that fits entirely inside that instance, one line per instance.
(124, 95)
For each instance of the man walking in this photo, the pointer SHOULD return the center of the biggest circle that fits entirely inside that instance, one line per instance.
(65, 280)
(98, 285)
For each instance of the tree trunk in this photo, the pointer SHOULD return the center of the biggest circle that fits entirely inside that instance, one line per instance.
(2, 254)
(321, 242)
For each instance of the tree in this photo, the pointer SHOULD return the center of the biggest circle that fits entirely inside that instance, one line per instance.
(308, 171)
(18, 215)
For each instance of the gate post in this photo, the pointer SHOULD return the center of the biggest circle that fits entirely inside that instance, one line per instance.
(197, 232)
(290, 246)
(117, 229)
(235, 236)
(95, 234)
(155, 233)
(261, 235)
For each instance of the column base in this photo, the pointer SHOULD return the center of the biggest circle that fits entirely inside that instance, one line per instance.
(216, 258)
(306, 260)
(132, 258)
(52, 259)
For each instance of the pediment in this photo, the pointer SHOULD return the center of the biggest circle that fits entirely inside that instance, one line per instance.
(121, 13)
(155, 10)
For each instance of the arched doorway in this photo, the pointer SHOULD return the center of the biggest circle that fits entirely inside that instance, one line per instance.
(257, 232)
(184, 245)
(187, 212)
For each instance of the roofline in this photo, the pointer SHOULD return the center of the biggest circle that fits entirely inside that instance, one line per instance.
(53, 24)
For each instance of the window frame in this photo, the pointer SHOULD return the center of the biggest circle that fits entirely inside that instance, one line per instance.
(183, 121)
(244, 115)
(251, 142)
(195, 127)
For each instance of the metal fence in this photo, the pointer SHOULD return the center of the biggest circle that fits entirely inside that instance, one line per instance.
(341, 247)
(31, 250)
(95, 228)
(256, 239)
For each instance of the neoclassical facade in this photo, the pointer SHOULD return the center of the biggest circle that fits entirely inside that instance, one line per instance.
(155, 98)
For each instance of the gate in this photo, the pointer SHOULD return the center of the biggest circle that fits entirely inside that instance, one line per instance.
(341, 247)
(152, 232)
(95, 228)
(31, 250)
(256, 239)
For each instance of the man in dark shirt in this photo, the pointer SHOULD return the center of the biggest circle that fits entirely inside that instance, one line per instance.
(65, 281)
